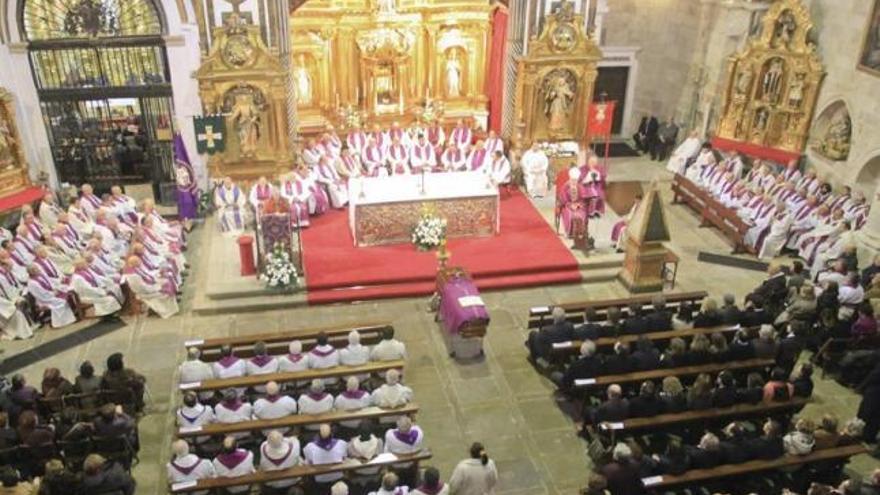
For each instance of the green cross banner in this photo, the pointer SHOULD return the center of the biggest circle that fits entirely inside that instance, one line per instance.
(210, 133)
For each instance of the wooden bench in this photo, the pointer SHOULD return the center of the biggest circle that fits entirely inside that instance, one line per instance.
(293, 376)
(303, 471)
(712, 212)
(294, 420)
(702, 475)
(661, 421)
(573, 347)
(638, 377)
(539, 315)
(277, 342)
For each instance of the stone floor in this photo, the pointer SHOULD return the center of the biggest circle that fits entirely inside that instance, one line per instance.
(500, 401)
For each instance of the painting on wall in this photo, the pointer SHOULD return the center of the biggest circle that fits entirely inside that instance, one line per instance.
(869, 59)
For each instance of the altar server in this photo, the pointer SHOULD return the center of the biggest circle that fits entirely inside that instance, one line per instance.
(89, 290)
(493, 143)
(260, 193)
(336, 187)
(296, 191)
(188, 467)
(478, 157)
(278, 453)
(315, 401)
(453, 159)
(687, 150)
(356, 140)
(534, 165)
(461, 136)
(230, 203)
(233, 461)
(49, 297)
(499, 170)
(148, 289)
(229, 365)
(398, 157)
(326, 450)
(349, 165)
(373, 158)
(423, 157)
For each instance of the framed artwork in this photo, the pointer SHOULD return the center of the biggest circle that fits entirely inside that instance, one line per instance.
(869, 58)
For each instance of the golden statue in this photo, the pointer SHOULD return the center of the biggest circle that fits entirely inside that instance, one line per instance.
(558, 98)
(453, 76)
(303, 82)
(246, 117)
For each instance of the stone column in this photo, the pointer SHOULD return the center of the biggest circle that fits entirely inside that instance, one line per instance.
(517, 27)
(868, 238)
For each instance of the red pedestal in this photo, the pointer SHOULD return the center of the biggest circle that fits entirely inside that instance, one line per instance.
(246, 255)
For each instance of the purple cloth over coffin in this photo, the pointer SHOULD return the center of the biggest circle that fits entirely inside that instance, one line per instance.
(276, 228)
(452, 314)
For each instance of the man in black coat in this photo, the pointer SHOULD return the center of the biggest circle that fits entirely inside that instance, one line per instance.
(616, 408)
(660, 319)
(635, 320)
(730, 314)
(588, 365)
(869, 409)
(541, 342)
(640, 137)
(768, 445)
(652, 135)
(589, 330)
(771, 294)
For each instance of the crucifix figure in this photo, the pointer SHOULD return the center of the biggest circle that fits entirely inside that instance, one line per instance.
(209, 136)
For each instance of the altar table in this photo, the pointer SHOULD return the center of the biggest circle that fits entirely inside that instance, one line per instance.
(384, 210)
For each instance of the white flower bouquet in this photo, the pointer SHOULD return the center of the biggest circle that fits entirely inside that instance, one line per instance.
(429, 233)
(279, 272)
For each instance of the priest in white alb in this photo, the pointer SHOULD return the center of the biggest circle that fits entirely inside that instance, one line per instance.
(493, 143)
(398, 157)
(333, 183)
(773, 240)
(278, 453)
(349, 165)
(296, 191)
(461, 136)
(422, 156)
(260, 193)
(91, 203)
(686, 150)
(373, 158)
(123, 206)
(88, 288)
(186, 467)
(230, 202)
(13, 323)
(534, 166)
(326, 450)
(356, 140)
(499, 169)
(453, 159)
(233, 461)
(478, 157)
(49, 297)
(149, 289)
(49, 210)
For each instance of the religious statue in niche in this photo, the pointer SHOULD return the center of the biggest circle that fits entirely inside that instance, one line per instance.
(743, 81)
(245, 117)
(238, 50)
(772, 82)
(453, 75)
(386, 6)
(784, 29)
(796, 90)
(7, 146)
(384, 85)
(835, 142)
(762, 116)
(302, 80)
(559, 93)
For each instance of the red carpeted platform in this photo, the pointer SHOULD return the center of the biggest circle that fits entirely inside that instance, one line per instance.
(526, 253)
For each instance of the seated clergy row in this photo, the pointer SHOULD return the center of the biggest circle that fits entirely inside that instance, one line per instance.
(278, 452)
(322, 356)
(83, 256)
(274, 405)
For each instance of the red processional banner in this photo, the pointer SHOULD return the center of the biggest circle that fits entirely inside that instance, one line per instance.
(600, 119)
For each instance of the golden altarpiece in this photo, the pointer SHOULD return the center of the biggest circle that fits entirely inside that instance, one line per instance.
(554, 87)
(13, 167)
(379, 61)
(772, 84)
(241, 80)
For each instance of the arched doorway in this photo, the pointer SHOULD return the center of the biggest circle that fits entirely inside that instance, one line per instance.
(101, 73)
(868, 179)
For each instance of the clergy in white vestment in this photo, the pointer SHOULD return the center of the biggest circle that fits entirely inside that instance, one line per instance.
(398, 157)
(349, 164)
(686, 150)
(194, 414)
(356, 140)
(311, 154)
(704, 160)
(326, 450)
(499, 170)
(233, 461)
(230, 202)
(17, 266)
(373, 158)
(49, 210)
(23, 245)
(278, 453)
(232, 409)
(391, 395)
(315, 401)
(355, 353)
(260, 193)
(396, 132)
(365, 447)
(188, 467)
(423, 158)
(49, 297)
(13, 322)
(89, 290)
(331, 145)
(149, 289)
(474, 476)
(734, 164)
(461, 136)
(493, 143)
(194, 370)
(436, 136)
(792, 172)
(324, 356)
(229, 365)
(827, 223)
(352, 399)
(109, 280)
(67, 247)
(391, 486)
(478, 158)
(407, 438)
(774, 239)
(48, 267)
(333, 183)
(90, 202)
(453, 159)
(274, 405)
(124, 206)
(295, 190)
(760, 221)
(78, 218)
(294, 360)
(534, 165)
(832, 247)
(389, 348)
(379, 137)
(262, 363)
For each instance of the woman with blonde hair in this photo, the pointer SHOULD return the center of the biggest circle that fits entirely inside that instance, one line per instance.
(709, 316)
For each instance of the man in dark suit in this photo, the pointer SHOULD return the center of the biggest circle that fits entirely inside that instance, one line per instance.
(771, 294)
(730, 314)
(589, 330)
(790, 347)
(768, 445)
(868, 273)
(635, 321)
(588, 365)
(541, 342)
(652, 134)
(659, 320)
(641, 135)
(666, 136)
(616, 408)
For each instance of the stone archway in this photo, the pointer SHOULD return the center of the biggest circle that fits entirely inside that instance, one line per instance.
(868, 179)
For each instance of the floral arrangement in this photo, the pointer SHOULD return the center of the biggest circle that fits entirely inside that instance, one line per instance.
(429, 233)
(279, 272)
(560, 149)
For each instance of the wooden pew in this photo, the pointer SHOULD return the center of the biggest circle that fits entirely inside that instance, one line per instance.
(277, 342)
(702, 475)
(662, 421)
(295, 376)
(573, 347)
(711, 211)
(294, 420)
(640, 376)
(294, 472)
(539, 315)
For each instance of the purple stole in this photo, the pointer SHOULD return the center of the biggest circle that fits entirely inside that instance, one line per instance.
(477, 159)
(357, 140)
(461, 135)
(294, 358)
(804, 211)
(227, 361)
(789, 173)
(374, 153)
(314, 154)
(839, 201)
(317, 397)
(41, 280)
(64, 240)
(279, 461)
(264, 192)
(47, 267)
(350, 165)
(407, 438)
(328, 148)
(144, 275)
(454, 156)
(34, 230)
(88, 277)
(232, 459)
(185, 470)
(378, 138)
(725, 189)
(811, 184)
(328, 173)
(353, 394)
(786, 193)
(261, 360)
(325, 443)
(232, 406)
(235, 193)
(9, 277)
(434, 135)
(493, 144)
(763, 236)
(422, 152)
(321, 353)
(129, 217)
(755, 202)
(92, 200)
(432, 491)
(335, 141)
(397, 152)
(395, 134)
